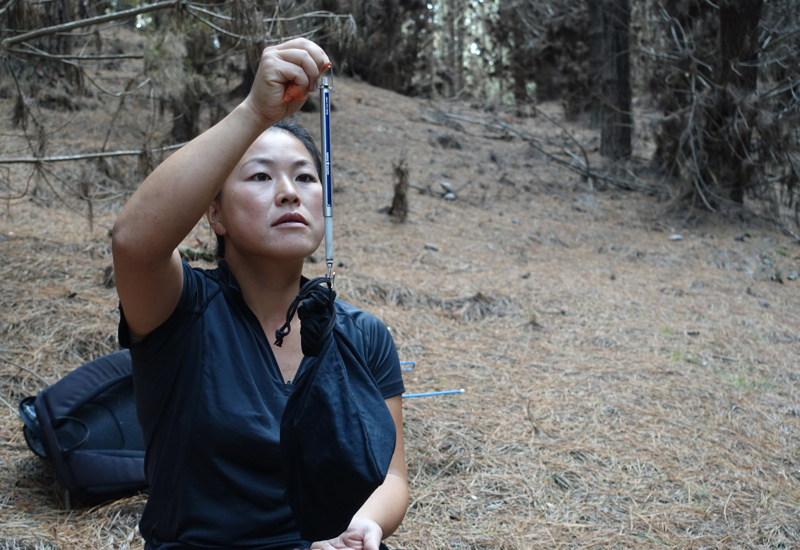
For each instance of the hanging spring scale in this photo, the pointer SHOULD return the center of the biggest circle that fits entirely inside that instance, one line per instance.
(312, 341)
(327, 178)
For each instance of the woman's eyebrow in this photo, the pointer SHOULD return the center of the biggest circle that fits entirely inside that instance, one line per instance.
(270, 162)
(258, 160)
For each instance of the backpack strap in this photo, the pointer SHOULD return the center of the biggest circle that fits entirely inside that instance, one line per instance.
(31, 430)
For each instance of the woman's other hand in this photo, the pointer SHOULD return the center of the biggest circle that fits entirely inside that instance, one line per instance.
(362, 534)
(297, 61)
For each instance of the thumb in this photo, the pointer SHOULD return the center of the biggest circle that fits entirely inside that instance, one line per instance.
(372, 539)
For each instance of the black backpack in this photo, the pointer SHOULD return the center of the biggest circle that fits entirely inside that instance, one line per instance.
(85, 425)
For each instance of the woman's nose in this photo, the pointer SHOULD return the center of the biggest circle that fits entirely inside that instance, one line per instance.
(286, 192)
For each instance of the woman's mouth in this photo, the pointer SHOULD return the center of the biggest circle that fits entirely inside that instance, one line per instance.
(291, 218)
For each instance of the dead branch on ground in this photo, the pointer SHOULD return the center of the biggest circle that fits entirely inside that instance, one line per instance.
(585, 170)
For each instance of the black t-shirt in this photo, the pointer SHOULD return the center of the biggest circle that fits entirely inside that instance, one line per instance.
(209, 397)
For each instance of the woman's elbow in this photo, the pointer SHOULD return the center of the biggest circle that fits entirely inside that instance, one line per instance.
(121, 244)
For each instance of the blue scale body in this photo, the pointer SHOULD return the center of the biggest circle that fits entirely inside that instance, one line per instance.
(327, 188)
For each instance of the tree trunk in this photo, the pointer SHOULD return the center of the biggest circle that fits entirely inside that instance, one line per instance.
(450, 45)
(596, 61)
(458, 55)
(616, 76)
(731, 123)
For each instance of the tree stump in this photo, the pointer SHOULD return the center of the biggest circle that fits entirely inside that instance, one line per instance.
(399, 208)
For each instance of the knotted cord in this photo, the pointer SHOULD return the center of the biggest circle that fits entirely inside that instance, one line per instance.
(314, 306)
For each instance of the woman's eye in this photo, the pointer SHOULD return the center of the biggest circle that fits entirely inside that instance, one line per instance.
(261, 176)
(306, 178)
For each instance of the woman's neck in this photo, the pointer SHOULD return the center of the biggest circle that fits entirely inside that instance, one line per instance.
(268, 287)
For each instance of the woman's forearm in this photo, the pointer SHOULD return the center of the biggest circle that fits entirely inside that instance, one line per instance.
(387, 505)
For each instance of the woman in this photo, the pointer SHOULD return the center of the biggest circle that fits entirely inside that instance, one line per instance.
(210, 386)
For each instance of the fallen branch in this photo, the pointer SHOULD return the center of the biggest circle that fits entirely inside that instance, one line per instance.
(7, 404)
(26, 369)
(586, 162)
(586, 172)
(67, 158)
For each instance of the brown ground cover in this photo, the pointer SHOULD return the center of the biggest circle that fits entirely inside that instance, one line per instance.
(623, 390)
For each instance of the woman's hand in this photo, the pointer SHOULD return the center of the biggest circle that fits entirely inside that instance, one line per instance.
(362, 534)
(297, 61)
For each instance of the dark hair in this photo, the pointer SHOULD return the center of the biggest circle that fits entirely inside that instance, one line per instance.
(308, 142)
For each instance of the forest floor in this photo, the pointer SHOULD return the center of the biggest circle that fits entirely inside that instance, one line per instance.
(623, 389)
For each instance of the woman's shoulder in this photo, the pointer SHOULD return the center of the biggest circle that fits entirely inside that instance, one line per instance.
(357, 316)
(208, 280)
(354, 321)
(375, 342)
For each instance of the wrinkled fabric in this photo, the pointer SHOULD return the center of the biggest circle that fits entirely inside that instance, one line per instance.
(337, 439)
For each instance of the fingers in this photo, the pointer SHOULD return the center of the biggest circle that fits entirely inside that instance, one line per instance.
(286, 73)
(307, 56)
(317, 54)
(333, 544)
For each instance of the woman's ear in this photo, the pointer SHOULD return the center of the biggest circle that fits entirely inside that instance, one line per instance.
(213, 215)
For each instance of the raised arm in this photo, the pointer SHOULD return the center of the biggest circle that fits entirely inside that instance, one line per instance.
(175, 196)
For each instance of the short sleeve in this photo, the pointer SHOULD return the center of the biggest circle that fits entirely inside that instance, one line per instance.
(194, 298)
(382, 358)
(376, 345)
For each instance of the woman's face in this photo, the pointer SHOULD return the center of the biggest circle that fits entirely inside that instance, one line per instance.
(271, 204)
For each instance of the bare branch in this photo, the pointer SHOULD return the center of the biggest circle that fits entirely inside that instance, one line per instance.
(128, 88)
(309, 15)
(219, 29)
(210, 12)
(88, 22)
(90, 79)
(36, 52)
(4, 8)
(67, 158)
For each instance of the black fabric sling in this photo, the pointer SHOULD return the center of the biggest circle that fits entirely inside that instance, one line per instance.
(337, 435)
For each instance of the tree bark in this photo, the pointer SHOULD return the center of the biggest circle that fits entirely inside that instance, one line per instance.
(731, 123)
(616, 75)
(596, 61)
